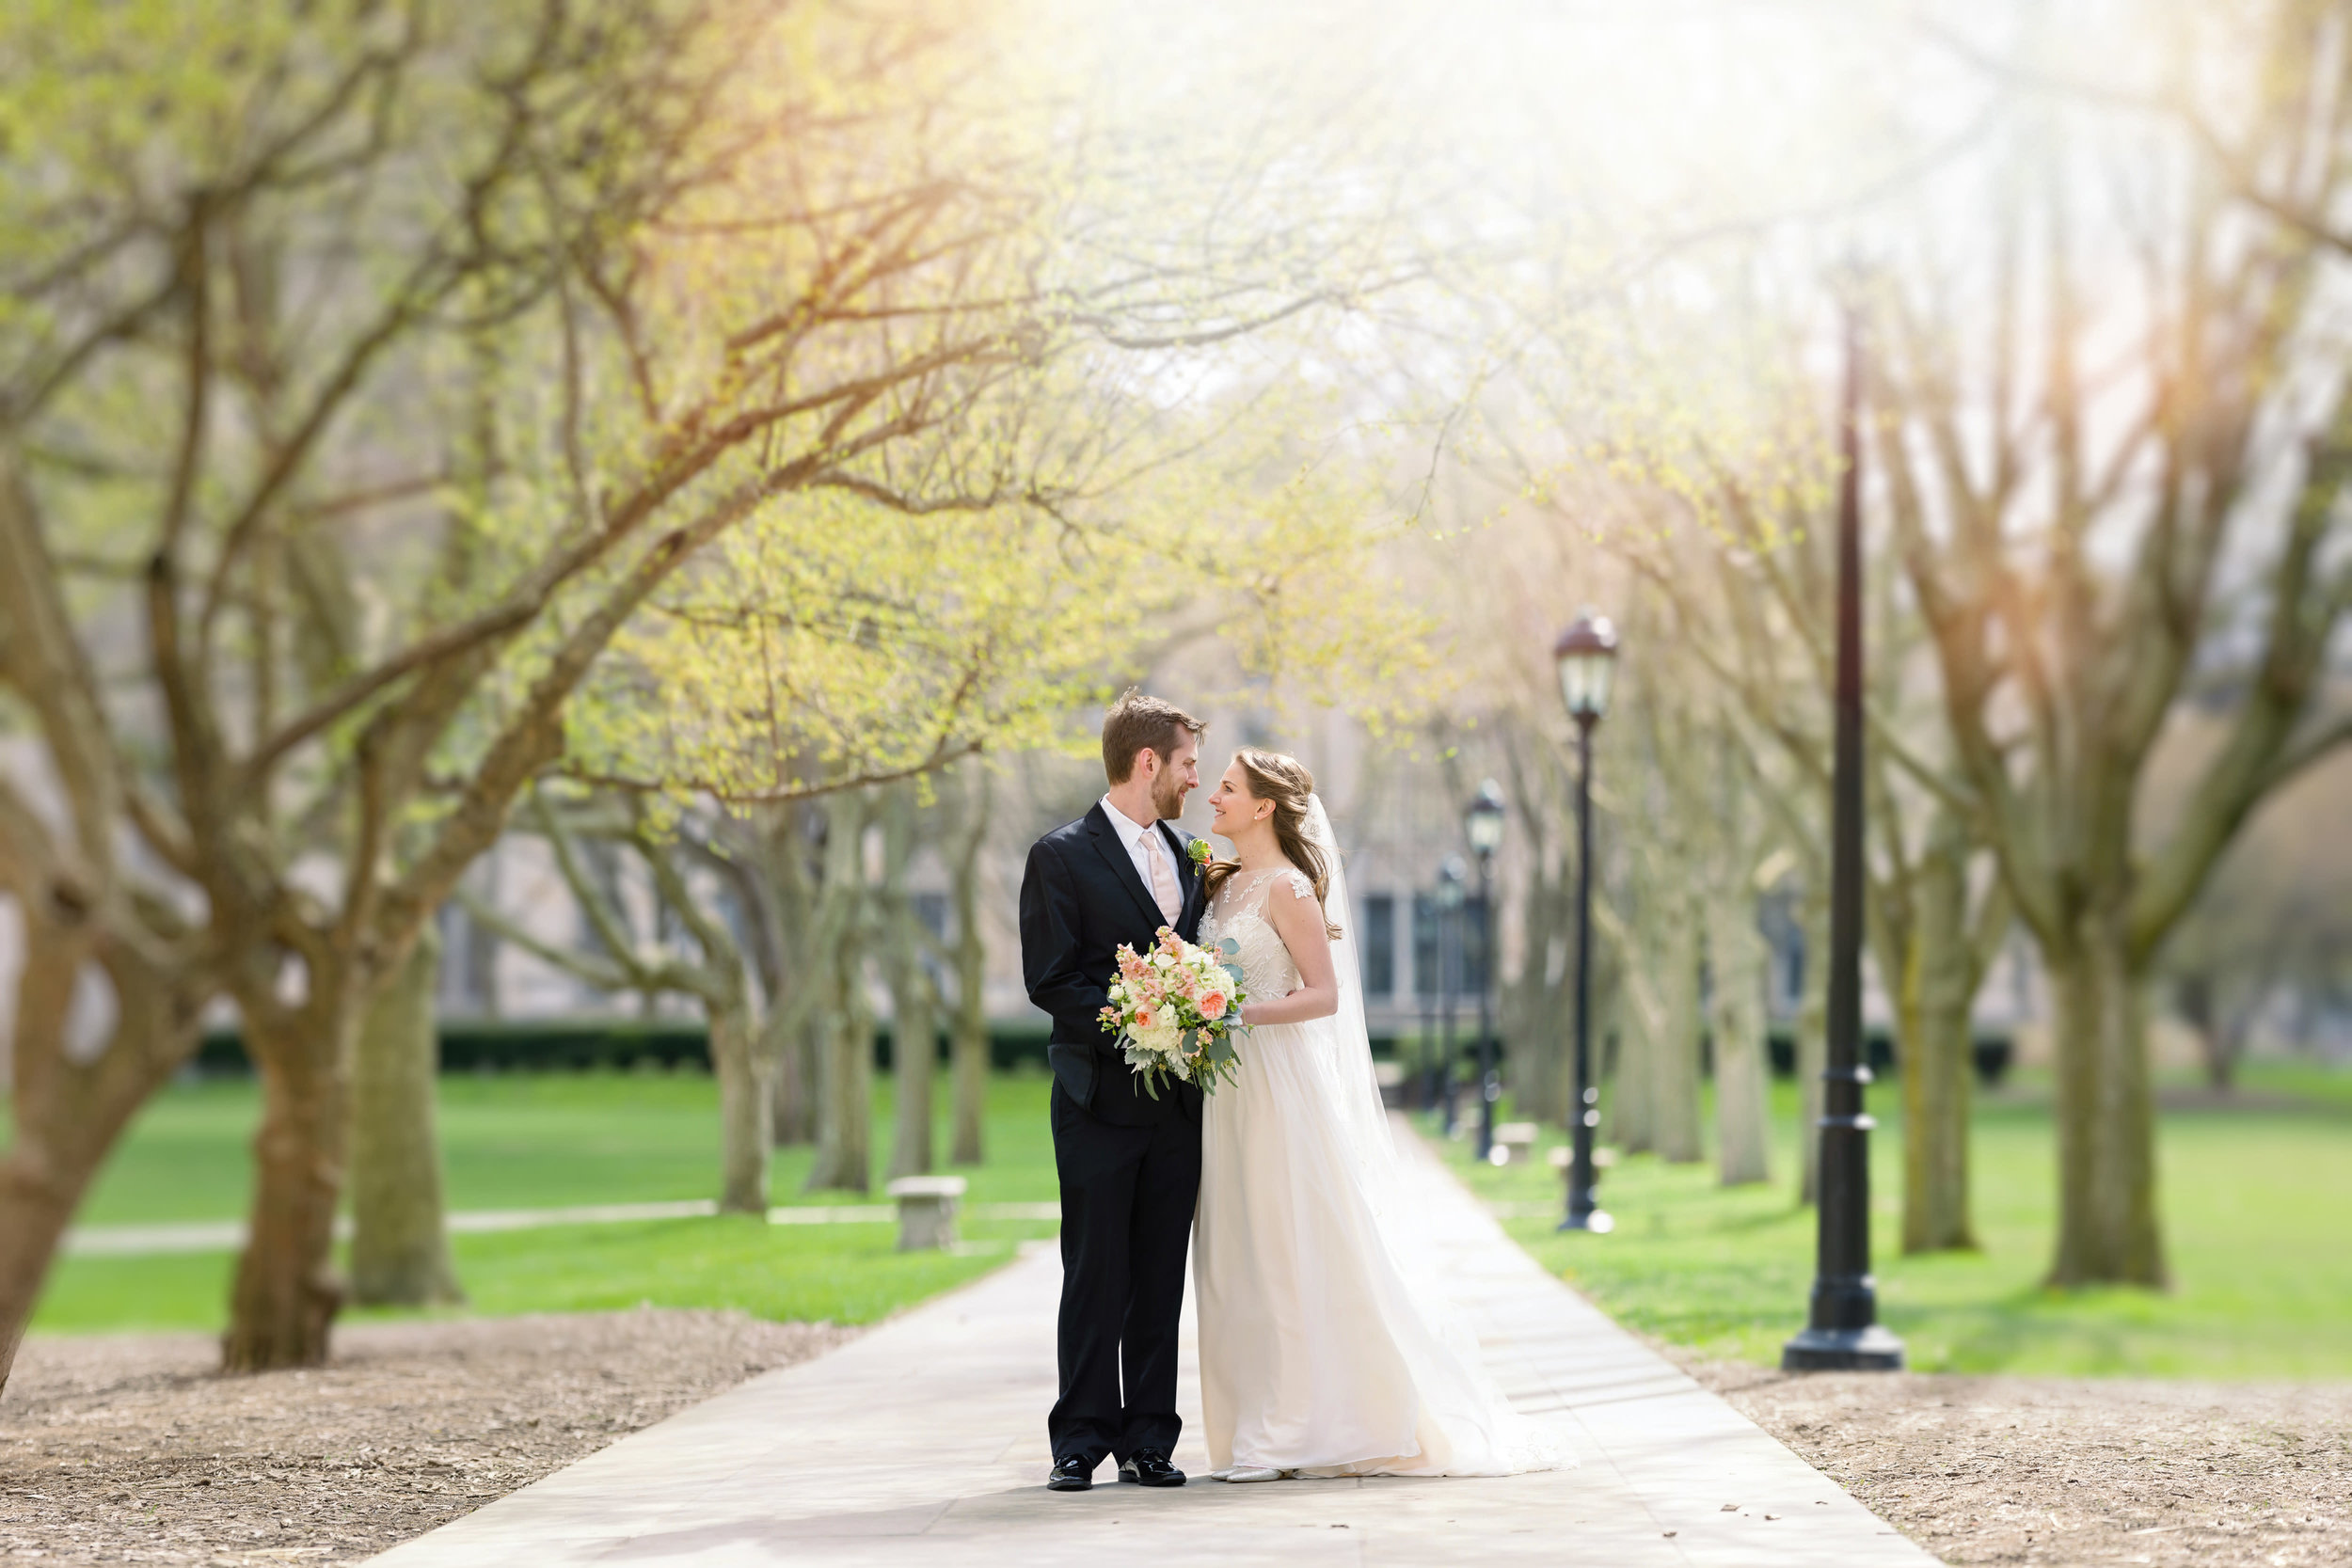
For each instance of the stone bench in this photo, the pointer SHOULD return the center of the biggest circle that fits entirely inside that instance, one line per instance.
(926, 1212)
(1513, 1141)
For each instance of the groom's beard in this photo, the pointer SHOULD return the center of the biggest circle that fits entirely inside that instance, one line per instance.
(1167, 797)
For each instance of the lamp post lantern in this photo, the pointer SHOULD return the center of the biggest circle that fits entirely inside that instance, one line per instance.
(1450, 874)
(1482, 824)
(1586, 656)
(1842, 1331)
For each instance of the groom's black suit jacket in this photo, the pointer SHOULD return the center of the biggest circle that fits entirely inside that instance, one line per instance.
(1129, 1166)
(1081, 897)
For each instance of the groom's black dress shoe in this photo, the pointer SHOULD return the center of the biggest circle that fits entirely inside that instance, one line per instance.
(1149, 1467)
(1071, 1475)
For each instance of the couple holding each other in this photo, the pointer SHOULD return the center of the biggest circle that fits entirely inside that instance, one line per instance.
(1320, 1353)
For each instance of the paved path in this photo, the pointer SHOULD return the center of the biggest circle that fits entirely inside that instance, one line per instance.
(120, 1241)
(922, 1445)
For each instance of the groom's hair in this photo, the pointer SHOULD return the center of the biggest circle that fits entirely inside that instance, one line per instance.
(1136, 722)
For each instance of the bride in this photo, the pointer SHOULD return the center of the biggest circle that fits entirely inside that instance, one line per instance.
(1321, 1354)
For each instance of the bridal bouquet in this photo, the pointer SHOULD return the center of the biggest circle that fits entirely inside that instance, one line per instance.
(1175, 1008)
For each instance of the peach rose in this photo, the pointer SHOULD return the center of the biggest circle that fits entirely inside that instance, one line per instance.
(1213, 1005)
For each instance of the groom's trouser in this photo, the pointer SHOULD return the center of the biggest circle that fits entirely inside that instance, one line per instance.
(1127, 1196)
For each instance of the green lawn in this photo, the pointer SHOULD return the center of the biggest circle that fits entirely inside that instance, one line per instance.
(2257, 1202)
(557, 1140)
(2257, 1206)
(540, 1140)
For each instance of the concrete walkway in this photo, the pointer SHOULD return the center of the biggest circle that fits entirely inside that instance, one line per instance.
(922, 1443)
(177, 1235)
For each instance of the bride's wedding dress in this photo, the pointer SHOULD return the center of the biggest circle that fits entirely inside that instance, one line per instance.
(1325, 1349)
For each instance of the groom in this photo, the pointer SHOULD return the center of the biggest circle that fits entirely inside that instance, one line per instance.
(1129, 1165)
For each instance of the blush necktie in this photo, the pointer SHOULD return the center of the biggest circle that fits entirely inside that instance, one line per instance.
(1163, 879)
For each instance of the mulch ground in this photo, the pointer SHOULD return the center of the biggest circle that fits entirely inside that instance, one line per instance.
(2029, 1471)
(132, 1450)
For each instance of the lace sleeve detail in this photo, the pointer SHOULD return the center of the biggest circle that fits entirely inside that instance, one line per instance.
(1250, 898)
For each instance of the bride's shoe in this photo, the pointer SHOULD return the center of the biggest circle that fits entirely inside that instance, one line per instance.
(1240, 1473)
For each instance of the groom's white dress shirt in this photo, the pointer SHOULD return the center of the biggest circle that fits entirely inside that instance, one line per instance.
(1144, 844)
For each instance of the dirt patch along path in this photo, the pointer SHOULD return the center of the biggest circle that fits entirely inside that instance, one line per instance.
(132, 1450)
(2030, 1470)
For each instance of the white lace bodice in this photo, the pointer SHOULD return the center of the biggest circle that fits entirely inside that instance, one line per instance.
(1239, 912)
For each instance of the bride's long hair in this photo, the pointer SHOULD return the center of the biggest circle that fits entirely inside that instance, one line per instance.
(1285, 782)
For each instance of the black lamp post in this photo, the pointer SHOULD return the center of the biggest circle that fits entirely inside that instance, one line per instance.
(1482, 824)
(1450, 875)
(1428, 1038)
(1842, 1332)
(1586, 655)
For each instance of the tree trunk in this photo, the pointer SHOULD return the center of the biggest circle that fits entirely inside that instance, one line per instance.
(69, 1108)
(796, 1005)
(913, 1050)
(785, 1041)
(2108, 1228)
(1742, 1091)
(2218, 1041)
(1812, 1041)
(845, 1050)
(970, 1050)
(1633, 1103)
(282, 1305)
(1536, 1009)
(1937, 997)
(1674, 1060)
(845, 1091)
(746, 1102)
(2223, 1052)
(913, 999)
(790, 1031)
(400, 1254)
(40, 1184)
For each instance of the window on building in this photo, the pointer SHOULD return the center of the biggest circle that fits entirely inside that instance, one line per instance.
(1429, 957)
(931, 911)
(1380, 947)
(1425, 945)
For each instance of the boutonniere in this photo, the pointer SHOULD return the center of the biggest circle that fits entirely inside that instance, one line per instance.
(1199, 850)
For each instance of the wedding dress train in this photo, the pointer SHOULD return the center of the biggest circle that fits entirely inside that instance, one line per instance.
(1326, 1348)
